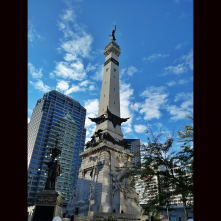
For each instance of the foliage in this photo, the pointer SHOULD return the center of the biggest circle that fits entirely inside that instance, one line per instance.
(158, 160)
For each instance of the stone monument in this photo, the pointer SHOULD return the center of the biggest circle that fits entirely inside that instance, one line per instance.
(100, 189)
(49, 202)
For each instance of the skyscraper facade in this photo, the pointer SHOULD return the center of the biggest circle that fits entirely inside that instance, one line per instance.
(55, 113)
(155, 186)
(134, 145)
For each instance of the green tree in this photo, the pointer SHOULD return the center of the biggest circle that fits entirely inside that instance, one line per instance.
(158, 160)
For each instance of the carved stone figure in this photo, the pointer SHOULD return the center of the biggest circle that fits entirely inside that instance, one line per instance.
(55, 172)
(92, 191)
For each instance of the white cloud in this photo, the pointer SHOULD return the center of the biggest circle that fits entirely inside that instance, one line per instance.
(82, 86)
(74, 88)
(32, 33)
(188, 59)
(90, 131)
(80, 45)
(153, 57)
(144, 143)
(140, 128)
(155, 98)
(171, 83)
(125, 95)
(75, 44)
(63, 85)
(91, 87)
(135, 106)
(185, 65)
(29, 111)
(183, 96)
(182, 81)
(70, 57)
(179, 69)
(68, 16)
(158, 125)
(91, 67)
(185, 109)
(182, 45)
(131, 70)
(98, 75)
(180, 112)
(51, 75)
(40, 86)
(74, 71)
(122, 71)
(84, 83)
(35, 72)
(91, 106)
(28, 120)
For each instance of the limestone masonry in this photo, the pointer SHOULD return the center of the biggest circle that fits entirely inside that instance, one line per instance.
(100, 190)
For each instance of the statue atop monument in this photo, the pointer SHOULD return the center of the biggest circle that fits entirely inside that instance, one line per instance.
(112, 35)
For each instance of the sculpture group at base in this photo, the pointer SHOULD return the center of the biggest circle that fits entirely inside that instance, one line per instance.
(99, 137)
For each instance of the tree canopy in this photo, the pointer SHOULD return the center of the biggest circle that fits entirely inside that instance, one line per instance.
(162, 169)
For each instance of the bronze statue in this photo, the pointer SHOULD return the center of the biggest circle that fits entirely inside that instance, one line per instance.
(48, 181)
(115, 119)
(99, 134)
(112, 36)
(98, 120)
(55, 172)
(111, 117)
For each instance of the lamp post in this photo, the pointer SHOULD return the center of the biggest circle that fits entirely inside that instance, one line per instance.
(55, 152)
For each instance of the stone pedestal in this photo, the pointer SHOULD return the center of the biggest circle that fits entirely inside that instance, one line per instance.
(48, 205)
(110, 193)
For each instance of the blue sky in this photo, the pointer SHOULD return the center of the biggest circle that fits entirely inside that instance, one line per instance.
(66, 40)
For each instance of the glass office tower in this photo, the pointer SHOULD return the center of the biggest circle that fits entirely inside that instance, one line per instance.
(134, 145)
(55, 113)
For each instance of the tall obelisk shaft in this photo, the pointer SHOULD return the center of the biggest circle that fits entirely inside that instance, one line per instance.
(110, 94)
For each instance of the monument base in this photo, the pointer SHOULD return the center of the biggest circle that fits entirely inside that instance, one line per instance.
(48, 205)
(101, 216)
